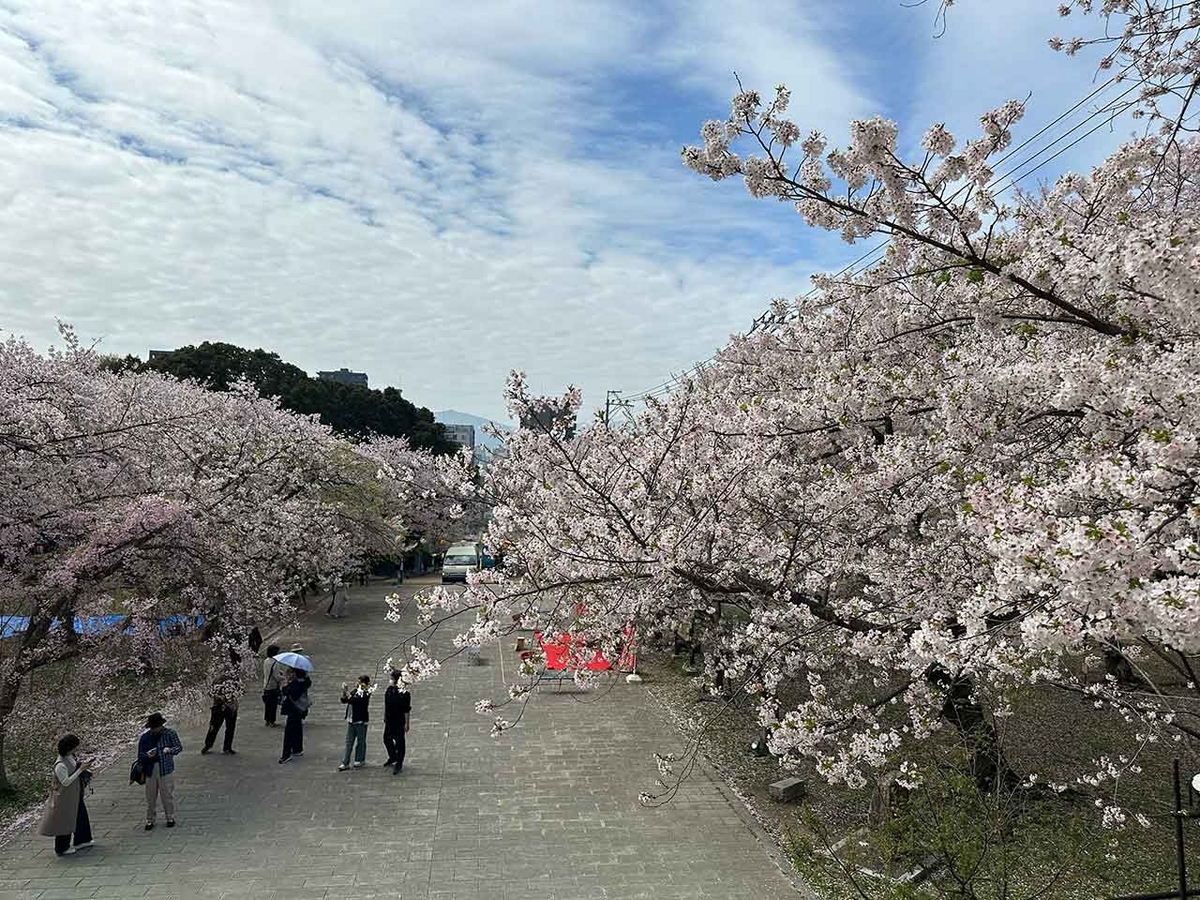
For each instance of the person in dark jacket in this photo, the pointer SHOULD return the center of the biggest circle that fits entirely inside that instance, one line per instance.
(358, 715)
(224, 712)
(397, 707)
(294, 708)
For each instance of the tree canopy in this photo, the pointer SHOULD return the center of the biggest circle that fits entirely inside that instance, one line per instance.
(350, 410)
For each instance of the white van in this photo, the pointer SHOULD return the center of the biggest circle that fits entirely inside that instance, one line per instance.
(459, 560)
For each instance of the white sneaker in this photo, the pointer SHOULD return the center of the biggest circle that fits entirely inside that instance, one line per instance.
(358, 765)
(343, 767)
(84, 845)
(67, 852)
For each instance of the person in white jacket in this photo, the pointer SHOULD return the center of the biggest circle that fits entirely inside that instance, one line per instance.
(272, 686)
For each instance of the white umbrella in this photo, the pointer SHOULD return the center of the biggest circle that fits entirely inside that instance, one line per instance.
(294, 660)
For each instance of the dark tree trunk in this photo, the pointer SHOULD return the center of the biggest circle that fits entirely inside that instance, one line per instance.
(1118, 665)
(9, 689)
(988, 765)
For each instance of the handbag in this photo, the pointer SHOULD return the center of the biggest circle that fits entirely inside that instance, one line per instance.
(137, 774)
(302, 704)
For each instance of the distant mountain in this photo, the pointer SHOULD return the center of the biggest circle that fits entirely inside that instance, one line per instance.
(454, 417)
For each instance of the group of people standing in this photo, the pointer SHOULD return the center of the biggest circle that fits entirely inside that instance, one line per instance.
(285, 690)
(397, 710)
(65, 817)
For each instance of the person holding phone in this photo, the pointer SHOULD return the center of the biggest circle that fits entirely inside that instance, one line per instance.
(66, 815)
(157, 748)
(358, 717)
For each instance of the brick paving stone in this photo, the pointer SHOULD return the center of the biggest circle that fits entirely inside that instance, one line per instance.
(549, 810)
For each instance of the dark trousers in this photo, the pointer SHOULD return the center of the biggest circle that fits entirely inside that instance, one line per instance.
(293, 735)
(393, 742)
(221, 715)
(271, 705)
(83, 830)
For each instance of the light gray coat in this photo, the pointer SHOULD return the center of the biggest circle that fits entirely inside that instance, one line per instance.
(62, 807)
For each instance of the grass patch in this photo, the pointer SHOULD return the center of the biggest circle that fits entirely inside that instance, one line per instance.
(106, 713)
(1030, 844)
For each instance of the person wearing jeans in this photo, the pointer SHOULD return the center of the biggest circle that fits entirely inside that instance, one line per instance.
(157, 748)
(357, 716)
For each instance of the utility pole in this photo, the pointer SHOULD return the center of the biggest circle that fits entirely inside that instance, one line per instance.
(608, 401)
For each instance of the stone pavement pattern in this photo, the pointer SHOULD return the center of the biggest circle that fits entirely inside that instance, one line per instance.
(547, 811)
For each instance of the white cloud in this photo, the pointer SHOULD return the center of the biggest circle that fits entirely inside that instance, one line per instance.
(431, 195)
(707, 41)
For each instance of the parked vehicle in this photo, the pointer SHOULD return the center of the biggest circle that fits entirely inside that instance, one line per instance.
(460, 560)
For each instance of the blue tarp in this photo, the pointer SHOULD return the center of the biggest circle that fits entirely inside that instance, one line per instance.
(10, 625)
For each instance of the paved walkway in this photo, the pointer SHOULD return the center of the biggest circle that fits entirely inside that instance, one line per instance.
(547, 811)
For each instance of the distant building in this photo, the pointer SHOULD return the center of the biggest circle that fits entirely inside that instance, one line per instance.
(345, 376)
(159, 354)
(463, 435)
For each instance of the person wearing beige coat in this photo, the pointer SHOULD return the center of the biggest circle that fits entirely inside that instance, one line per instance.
(66, 814)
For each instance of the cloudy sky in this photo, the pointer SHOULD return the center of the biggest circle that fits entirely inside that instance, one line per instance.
(437, 193)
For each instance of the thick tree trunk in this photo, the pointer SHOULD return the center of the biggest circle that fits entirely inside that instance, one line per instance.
(1118, 665)
(9, 689)
(988, 764)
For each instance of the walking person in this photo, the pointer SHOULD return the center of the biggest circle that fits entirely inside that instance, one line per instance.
(224, 712)
(66, 815)
(339, 608)
(397, 707)
(358, 716)
(272, 686)
(294, 708)
(337, 601)
(333, 599)
(157, 748)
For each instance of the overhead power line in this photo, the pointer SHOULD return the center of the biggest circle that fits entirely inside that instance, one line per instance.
(874, 254)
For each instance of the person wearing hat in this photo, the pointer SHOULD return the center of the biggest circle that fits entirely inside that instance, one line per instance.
(303, 677)
(157, 748)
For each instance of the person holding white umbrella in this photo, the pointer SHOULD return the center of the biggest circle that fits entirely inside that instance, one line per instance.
(295, 702)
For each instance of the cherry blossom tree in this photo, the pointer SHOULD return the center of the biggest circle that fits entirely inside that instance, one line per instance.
(422, 496)
(967, 469)
(138, 497)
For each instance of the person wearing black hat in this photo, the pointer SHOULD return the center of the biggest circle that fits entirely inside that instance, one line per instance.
(157, 748)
